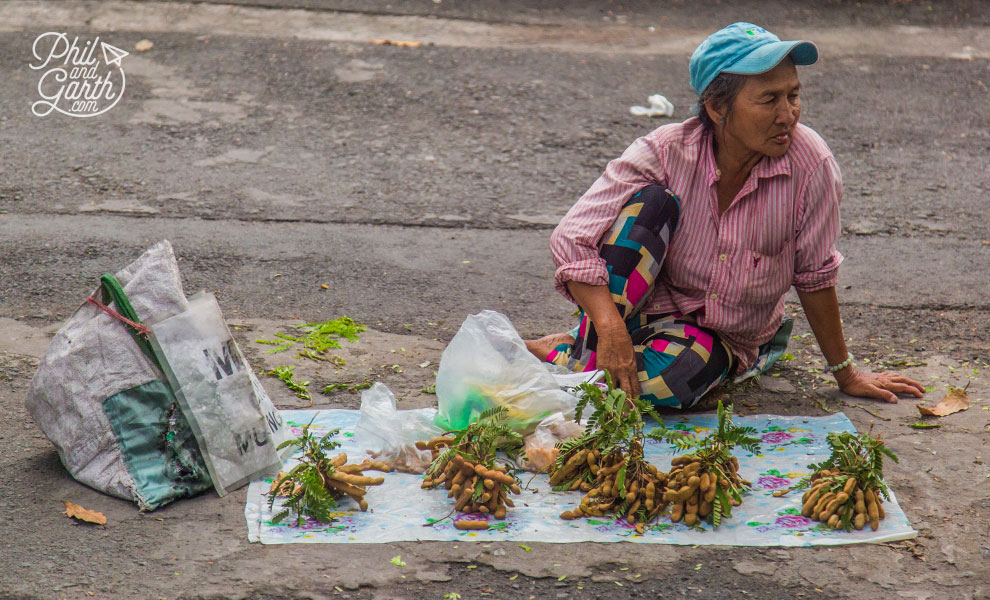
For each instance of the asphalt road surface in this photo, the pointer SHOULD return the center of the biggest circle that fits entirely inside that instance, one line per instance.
(281, 151)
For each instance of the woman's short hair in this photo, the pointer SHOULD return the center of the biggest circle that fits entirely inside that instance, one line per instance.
(722, 91)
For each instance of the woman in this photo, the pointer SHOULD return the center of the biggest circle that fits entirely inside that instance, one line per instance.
(681, 254)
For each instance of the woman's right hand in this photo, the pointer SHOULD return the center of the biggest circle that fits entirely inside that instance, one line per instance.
(615, 354)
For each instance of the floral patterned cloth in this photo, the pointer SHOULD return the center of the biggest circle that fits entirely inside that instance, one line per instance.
(401, 511)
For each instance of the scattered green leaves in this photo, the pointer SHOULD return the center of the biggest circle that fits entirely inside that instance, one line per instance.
(284, 374)
(397, 561)
(923, 425)
(347, 387)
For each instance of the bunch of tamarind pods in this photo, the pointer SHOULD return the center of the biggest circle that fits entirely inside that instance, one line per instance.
(640, 503)
(340, 480)
(834, 497)
(691, 489)
(461, 477)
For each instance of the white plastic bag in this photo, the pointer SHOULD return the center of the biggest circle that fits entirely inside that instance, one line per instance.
(487, 364)
(390, 435)
(539, 449)
(235, 423)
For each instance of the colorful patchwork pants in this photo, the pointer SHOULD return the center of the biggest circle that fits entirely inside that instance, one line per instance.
(678, 360)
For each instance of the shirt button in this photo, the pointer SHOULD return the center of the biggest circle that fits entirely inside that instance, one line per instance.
(714, 296)
(722, 257)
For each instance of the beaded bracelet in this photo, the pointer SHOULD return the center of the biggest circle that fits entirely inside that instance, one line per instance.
(841, 365)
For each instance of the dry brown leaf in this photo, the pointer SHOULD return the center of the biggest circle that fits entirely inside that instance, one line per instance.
(953, 402)
(397, 43)
(77, 512)
(144, 45)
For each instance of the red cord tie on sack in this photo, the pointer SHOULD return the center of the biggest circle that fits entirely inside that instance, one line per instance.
(137, 326)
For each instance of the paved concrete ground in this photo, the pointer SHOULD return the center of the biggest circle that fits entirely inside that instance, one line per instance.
(279, 150)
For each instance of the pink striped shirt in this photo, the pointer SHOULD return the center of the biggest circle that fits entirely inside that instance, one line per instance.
(732, 271)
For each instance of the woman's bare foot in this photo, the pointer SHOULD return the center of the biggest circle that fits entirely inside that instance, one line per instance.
(542, 347)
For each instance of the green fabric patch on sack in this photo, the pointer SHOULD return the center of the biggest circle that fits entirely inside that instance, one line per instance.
(157, 444)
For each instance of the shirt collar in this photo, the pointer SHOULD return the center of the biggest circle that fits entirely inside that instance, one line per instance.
(769, 166)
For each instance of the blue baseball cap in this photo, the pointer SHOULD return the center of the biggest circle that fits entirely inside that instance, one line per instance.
(745, 49)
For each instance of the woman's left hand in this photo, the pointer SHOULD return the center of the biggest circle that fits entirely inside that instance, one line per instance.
(882, 386)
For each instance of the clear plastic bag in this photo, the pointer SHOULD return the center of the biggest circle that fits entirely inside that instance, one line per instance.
(539, 450)
(487, 364)
(390, 435)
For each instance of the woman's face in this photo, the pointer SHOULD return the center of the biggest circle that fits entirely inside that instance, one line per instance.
(765, 112)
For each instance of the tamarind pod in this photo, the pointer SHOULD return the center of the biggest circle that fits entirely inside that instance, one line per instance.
(585, 486)
(350, 490)
(574, 485)
(830, 508)
(499, 512)
(874, 523)
(684, 493)
(822, 501)
(339, 460)
(421, 445)
(498, 476)
(458, 478)
(592, 460)
(486, 497)
(669, 495)
(690, 519)
(630, 497)
(471, 525)
(568, 515)
(607, 487)
(692, 469)
(594, 492)
(457, 460)
(455, 491)
(705, 509)
(710, 494)
(640, 528)
(703, 482)
(681, 460)
(873, 513)
(612, 469)
(493, 502)
(350, 469)
(833, 521)
(508, 501)
(469, 468)
(363, 505)
(859, 521)
(850, 486)
(808, 507)
(694, 481)
(813, 489)
(880, 510)
(463, 499)
(436, 442)
(630, 518)
(842, 497)
(860, 507)
(648, 504)
(676, 512)
(633, 508)
(871, 504)
(515, 489)
(488, 483)
(427, 484)
(734, 502)
(634, 488)
(483, 508)
(724, 483)
(651, 490)
(653, 470)
(745, 482)
(355, 479)
(376, 465)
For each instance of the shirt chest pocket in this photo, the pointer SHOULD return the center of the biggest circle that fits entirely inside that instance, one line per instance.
(765, 279)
